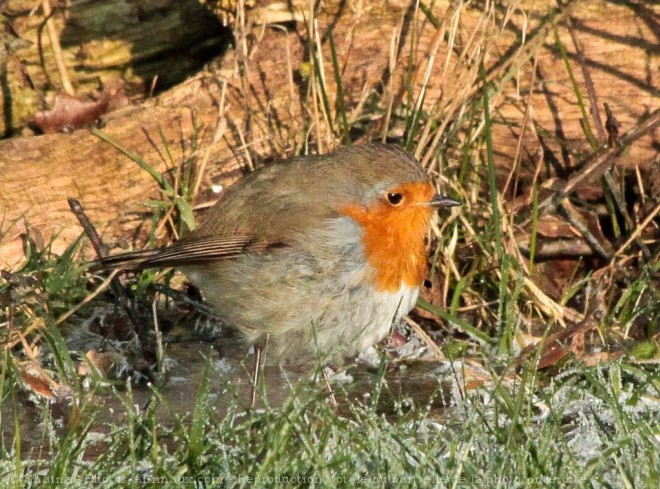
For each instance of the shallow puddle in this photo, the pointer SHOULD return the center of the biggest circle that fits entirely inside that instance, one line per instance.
(404, 384)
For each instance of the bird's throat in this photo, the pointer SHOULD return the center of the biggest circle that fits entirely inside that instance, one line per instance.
(393, 242)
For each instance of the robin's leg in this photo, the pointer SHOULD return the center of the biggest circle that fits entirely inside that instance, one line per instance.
(258, 365)
(328, 387)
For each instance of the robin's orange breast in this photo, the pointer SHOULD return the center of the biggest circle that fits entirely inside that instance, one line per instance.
(393, 236)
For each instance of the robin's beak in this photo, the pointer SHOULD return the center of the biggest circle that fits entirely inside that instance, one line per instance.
(442, 201)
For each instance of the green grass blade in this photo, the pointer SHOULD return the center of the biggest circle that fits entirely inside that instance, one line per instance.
(340, 89)
(462, 325)
(496, 219)
(534, 225)
(586, 125)
(160, 179)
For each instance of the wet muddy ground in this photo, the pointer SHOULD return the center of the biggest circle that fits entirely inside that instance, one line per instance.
(398, 385)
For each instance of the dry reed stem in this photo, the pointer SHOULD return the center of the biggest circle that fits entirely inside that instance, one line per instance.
(104, 285)
(57, 49)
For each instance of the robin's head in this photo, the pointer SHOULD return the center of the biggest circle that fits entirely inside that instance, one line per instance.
(364, 173)
(395, 213)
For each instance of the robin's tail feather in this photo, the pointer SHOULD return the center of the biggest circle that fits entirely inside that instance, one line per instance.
(192, 250)
(131, 260)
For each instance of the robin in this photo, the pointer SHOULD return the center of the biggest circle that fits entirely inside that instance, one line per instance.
(315, 255)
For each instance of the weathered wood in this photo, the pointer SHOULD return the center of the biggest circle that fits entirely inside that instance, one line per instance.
(263, 108)
(132, 40)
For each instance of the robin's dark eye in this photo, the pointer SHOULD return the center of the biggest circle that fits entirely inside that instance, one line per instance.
(394, 198)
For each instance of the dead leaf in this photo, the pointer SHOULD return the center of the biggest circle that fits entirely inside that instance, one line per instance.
(70, 113)
(557, 248)
(558, 345)
(552, 226)
(601, 357)
(105, 363)
(38, 380)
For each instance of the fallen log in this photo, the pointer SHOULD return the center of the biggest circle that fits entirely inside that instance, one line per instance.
(254, 103)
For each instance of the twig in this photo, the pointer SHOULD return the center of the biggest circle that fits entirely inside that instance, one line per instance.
(639, 230)
(612, 126)
(218, 133)
(588, 82)
(182, 297)
(78, 211)
(567, 210)
(87, 299)
(602, 136)
(624, 211)
(596, 165)
(101, 251)
(57, 49)
(432, 345)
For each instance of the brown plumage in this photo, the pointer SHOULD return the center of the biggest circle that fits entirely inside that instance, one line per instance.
(319, 254)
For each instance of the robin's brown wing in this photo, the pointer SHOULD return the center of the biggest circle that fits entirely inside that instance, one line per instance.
(191, 250)
(279, 204)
